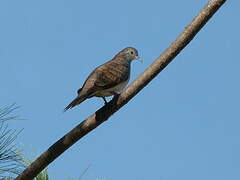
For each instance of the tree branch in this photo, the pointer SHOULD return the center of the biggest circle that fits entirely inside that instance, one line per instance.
(114, 105)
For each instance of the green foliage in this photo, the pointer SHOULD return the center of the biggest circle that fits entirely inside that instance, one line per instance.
(10, 158)
(43, 175)
(12, 161)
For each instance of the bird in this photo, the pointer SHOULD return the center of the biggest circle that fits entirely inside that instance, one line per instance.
(108, 79)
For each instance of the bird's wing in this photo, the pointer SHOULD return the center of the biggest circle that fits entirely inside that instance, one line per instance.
(104, 77)
(111, 74)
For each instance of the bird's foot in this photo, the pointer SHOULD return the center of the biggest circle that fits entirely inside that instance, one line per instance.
(115, 96)
(105, 101)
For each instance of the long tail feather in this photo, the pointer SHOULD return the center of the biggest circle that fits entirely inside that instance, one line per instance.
(75, 102)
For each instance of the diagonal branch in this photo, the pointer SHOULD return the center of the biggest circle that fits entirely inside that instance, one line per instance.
(114, 105)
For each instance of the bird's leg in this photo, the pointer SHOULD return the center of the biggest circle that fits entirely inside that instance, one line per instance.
(105, 101)
(115, 95)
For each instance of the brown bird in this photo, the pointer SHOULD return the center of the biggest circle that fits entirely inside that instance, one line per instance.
(107, 79)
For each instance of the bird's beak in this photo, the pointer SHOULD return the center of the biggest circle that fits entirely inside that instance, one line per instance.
(139, 59)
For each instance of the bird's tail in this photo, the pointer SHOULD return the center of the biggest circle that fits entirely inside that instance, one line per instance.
(75, 102)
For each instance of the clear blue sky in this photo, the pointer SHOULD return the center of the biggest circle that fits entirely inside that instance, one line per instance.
(184, 125)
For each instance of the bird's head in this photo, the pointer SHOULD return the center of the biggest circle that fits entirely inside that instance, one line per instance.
(129, 54)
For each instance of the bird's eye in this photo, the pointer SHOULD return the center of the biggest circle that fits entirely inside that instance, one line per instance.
(131, 52)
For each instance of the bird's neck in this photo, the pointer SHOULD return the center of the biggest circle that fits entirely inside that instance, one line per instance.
(122, 60)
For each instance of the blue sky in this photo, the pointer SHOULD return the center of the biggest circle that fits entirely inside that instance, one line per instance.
(184, 125)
